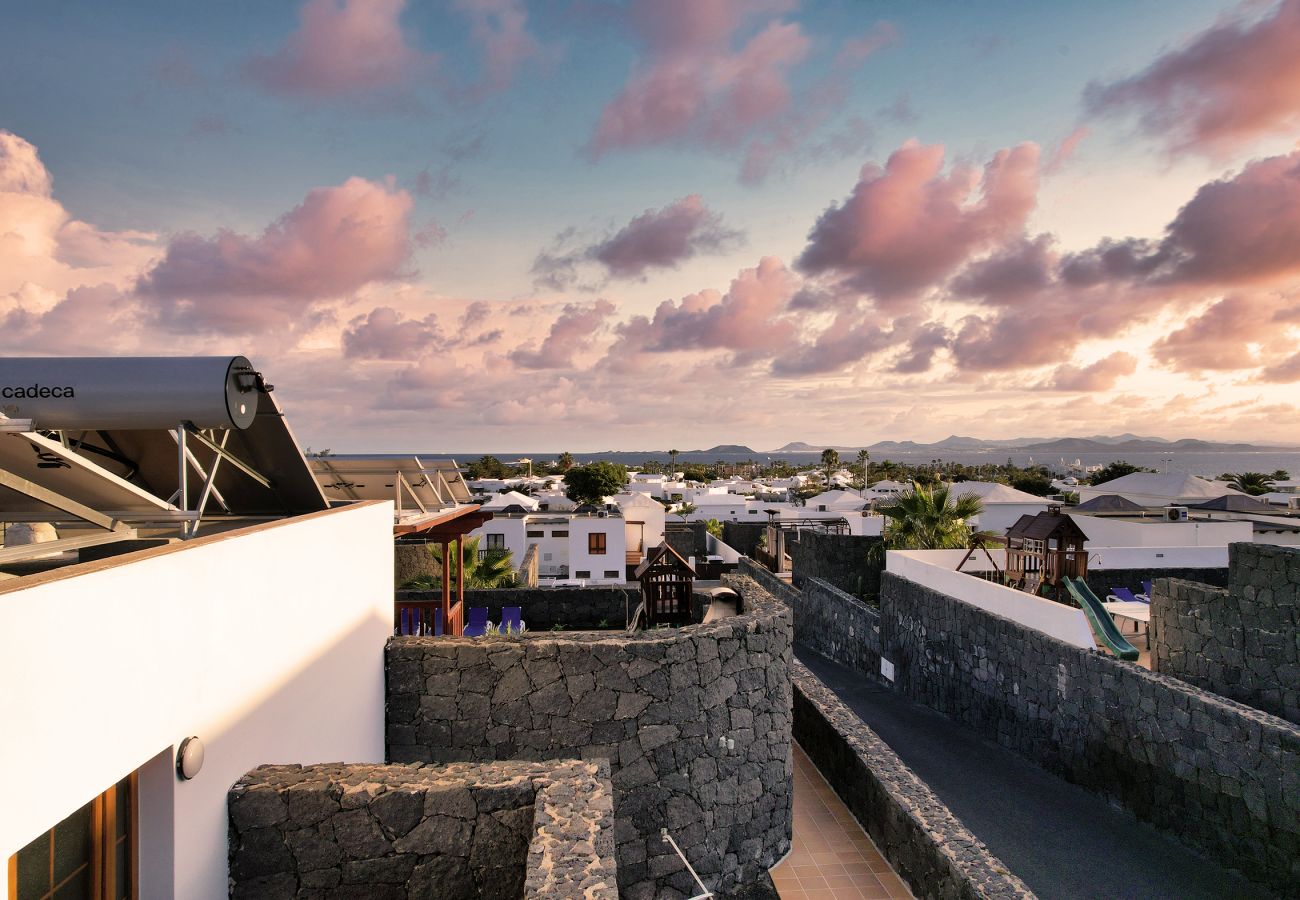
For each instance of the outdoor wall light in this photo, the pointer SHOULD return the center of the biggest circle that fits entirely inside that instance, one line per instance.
(189, 758)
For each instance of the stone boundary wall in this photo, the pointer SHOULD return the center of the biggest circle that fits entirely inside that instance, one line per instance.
(743, 537)
(695, 723)
(1242, 642)
(827, 620)
(576, 608)
(839, 559)
(1102, 580)
(535, 830)
(915, 831)
(1216, 773)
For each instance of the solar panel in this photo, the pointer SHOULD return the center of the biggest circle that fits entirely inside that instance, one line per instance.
(436, 484)
(47, 464)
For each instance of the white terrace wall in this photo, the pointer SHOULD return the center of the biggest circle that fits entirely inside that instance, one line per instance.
(265, 642)
(936, 569)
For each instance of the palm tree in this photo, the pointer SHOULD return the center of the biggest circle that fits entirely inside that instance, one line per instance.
(929, 519)
(830, 462)
(863, 457)
(494, 568)
(565, 461)
(1253, 483)
(1278, 474)
(673, 454)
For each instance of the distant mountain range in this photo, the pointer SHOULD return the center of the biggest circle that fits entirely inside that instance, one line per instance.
(1092, 444)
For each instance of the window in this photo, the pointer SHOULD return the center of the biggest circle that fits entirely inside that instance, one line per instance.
(582, 573)
(596, 543)
(559, 534)
(91, 853)
(546, 557)
(611, 573)
(753, 512)
(537, 534)
(496, 542)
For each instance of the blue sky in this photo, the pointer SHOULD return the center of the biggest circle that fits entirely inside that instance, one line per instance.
(150, 118)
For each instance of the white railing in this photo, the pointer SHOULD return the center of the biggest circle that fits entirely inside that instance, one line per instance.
(705, 893)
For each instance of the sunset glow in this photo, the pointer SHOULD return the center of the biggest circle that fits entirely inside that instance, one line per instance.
(489, 224)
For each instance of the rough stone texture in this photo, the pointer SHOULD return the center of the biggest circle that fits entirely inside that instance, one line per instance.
(526, 575)
(1242, 642)
(827, 620)
(838, 559)
(1102, 580)
(536, 830)
(658, 705)
(743, 537)
(1218, 774)
(575, 608)
(410, 561)
(925, 843)
(688, 538)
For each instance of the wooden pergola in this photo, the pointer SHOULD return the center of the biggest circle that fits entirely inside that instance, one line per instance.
(446, 528)
(1044, 548)
(666, 581)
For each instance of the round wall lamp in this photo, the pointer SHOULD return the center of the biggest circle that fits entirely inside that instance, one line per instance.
(189, 758)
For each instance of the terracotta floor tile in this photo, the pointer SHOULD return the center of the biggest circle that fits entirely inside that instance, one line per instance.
(831, 857)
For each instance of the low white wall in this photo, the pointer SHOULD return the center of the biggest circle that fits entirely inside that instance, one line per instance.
(267, 643)
(936, 569)
(718, 548)
(1157, 557)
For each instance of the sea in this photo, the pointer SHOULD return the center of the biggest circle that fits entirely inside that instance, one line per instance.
(1208, 463)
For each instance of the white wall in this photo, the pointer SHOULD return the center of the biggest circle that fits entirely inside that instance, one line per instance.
(1103, 531)
(613, 559)
(998, 517)
(936, 569)
(1157, 557)
(267, 643)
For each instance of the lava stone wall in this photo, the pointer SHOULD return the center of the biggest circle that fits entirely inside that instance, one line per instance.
(695, 723)
(536, 830)
(839, 559)
(1102, 580)
(1243, 642)
(743, 537)
(1218, 774)
(827, 620)
(920, 837)
(576, 608)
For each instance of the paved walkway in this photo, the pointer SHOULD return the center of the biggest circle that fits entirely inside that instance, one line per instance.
(831, 857)
(1061, 840)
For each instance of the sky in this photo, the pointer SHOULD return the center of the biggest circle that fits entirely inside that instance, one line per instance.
(482, 225)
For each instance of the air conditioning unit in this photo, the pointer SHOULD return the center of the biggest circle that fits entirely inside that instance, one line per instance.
(1176, 513)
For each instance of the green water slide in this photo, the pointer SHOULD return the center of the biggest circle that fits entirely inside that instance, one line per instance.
(1101, 621)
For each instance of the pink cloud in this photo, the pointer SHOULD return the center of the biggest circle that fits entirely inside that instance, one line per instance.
(336, 241)
(1234, 82)
(572, 333)
(693, 85)
(341, 47)
(843, 343)
(664, 238)
(1240, 230)
(500, 29)
(1063, 152)
(1285, 372)
(656, 239)
(385, 333)
(21, 169)
(747, 319)
(1100, 376)
(908, 226)
(1217, 339)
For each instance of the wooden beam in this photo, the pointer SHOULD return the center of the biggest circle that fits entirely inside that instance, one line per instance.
(460, 570)
(446, 583)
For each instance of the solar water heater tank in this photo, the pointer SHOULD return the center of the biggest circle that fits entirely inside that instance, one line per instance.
(100, 393)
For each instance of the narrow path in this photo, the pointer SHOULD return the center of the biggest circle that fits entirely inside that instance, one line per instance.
(831, 857)
(1061, 840)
